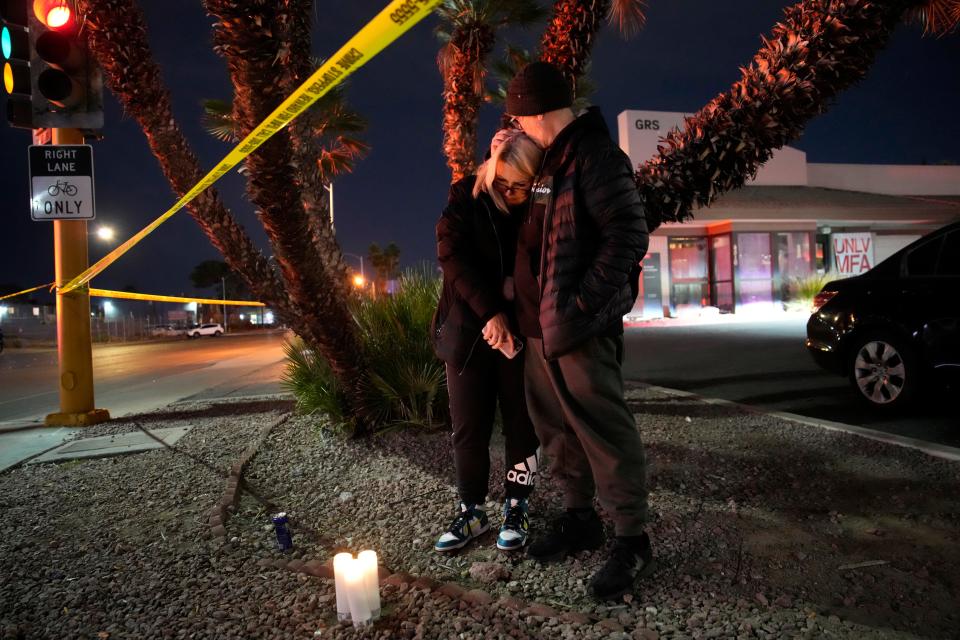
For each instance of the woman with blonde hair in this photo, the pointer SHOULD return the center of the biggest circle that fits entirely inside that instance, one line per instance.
(474, 333)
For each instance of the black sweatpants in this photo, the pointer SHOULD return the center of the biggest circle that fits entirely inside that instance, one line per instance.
(587, 430)
(489, 377)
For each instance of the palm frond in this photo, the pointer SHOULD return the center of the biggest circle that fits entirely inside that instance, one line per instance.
(938, 17)
(218, 120)
(629, 16)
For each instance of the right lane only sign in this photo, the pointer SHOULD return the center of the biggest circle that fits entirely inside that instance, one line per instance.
(61, 182)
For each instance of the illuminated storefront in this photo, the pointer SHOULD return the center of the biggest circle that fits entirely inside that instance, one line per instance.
(796, 219)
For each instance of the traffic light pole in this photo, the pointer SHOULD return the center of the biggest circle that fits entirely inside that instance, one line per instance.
(74, 349)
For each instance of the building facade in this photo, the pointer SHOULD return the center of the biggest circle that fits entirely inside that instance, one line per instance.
(752, 248)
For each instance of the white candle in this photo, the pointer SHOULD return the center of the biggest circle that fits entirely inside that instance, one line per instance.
(340, 562)
(371, 580)
(357, 593)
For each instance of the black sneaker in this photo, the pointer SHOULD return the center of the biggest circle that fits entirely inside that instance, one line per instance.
(570, 533)
(628, 560)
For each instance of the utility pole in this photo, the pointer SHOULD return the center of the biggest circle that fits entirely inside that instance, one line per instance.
(223, 291)
(74, 350)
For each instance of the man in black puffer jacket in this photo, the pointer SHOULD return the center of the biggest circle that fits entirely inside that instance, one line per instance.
(576, 275)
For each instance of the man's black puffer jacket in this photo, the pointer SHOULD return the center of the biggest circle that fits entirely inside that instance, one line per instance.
(594, 237)
(475, 244)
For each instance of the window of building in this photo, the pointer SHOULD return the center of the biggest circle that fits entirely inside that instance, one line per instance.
(688, 273)
(754, 264)
(721, 270)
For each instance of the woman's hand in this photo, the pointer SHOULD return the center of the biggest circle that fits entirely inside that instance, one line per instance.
(496, 332)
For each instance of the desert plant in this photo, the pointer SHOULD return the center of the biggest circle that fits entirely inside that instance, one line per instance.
(407, 383)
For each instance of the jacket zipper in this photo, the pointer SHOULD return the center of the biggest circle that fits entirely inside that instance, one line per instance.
(500, 254)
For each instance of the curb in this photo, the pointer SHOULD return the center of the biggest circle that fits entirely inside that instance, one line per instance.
(933, 449)
(218, 515)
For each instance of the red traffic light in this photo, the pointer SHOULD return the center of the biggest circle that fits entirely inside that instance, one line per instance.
(55, 14)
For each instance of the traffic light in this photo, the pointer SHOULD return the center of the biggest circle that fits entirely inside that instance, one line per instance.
(16, 63)
(65, 86)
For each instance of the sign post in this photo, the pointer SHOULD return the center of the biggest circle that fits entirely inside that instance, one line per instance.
(61, 183)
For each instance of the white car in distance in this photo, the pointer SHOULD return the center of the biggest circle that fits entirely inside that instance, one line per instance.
(212, 329)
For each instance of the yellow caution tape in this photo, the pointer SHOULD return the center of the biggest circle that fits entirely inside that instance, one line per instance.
(398, 17)
(104, 293)
(20, 293)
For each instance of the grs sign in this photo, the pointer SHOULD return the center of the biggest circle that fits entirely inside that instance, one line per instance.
(647, 125)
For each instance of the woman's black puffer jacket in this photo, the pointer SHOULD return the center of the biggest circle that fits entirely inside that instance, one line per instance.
(475, 247)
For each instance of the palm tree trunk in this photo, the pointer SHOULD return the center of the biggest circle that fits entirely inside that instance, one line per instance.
(568, 39)
(116, 35)
(821, 48)
(462, 63)
(248, 37)
(307, 151)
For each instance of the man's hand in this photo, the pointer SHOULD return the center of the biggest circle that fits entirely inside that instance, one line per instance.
(496, 332)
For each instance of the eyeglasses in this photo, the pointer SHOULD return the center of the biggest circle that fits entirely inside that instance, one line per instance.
(505, 187)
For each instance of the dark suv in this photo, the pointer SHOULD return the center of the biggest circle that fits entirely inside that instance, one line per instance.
(896, 327)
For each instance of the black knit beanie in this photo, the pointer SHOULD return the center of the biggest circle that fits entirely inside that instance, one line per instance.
(538, 88)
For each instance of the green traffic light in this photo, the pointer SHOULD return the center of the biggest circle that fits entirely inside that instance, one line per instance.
(7, 43)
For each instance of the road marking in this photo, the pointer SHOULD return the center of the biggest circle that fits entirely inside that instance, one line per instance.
(930, 448)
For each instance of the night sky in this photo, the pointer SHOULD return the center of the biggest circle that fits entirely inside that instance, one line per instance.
(906, 111)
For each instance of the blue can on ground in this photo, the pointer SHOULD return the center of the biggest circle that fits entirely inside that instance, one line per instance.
(281, 528)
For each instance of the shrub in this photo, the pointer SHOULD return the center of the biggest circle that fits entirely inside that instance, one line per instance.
(804, 289)
(407, 382)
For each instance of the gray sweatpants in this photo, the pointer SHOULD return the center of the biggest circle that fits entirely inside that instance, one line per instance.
(587, 431)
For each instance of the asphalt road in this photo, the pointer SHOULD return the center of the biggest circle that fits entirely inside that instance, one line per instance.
(131, 378)
(757, 363)
(765, 364)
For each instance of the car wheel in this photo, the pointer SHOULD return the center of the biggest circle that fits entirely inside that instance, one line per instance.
(217, 334)
(884, 371)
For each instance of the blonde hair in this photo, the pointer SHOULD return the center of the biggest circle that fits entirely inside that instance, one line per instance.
(518, 151)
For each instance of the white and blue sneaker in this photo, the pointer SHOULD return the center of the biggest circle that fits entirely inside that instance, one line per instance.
(515, 527)
(471, 523)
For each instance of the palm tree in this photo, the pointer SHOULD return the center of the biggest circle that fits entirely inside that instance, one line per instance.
(266, 47)
(568, 39)
(326, 148)
(818, 50)
(385, 261)
(468, 33)
(116, 36)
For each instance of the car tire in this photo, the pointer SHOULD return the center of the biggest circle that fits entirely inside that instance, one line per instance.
(883, 371)
(217, 334)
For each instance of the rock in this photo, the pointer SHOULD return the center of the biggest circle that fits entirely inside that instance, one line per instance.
(762, 599)
(539, 609)
(450, 589)
(396, 579)
(476, 597)
(645, 634)
(511, 602)
(575, 617)
(488, 572)
(345, 496)
(610, 625)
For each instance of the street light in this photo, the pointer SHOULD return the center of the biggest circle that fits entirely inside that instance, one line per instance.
(354, 255)
(358, 281)
(329, 188)
(106, 234)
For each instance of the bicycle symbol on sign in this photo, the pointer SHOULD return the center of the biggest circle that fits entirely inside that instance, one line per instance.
(59, 187)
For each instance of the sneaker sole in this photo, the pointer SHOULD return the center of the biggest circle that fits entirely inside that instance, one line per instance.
(464, 543)
(516, 548)
(646, 572)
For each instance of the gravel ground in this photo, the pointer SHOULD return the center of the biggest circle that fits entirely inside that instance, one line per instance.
(755, 521)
